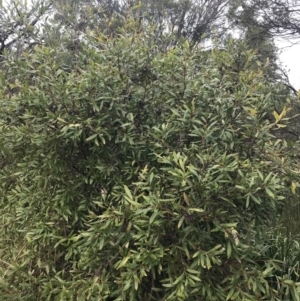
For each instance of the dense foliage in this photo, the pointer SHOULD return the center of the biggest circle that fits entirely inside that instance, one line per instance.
(140, 174)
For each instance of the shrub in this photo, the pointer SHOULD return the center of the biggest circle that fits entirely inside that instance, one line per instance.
(139, 175)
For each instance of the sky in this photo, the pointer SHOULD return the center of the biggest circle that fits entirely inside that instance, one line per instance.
(290, 58)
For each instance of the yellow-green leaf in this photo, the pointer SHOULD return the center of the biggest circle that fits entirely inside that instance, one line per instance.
(127, 191)
(180, 222)
(276, 116)
(186, 199)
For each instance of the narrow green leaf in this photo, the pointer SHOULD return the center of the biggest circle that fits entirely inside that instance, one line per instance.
(228, 249)
(180, 222)
(91, 137)
(270, 193)
(128, 193)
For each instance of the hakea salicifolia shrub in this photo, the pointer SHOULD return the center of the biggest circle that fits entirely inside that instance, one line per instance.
(141, 174)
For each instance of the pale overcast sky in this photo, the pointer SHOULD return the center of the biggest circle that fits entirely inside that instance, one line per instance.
(290, 57)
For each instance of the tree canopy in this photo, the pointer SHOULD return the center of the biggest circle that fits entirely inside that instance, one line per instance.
(279, 18)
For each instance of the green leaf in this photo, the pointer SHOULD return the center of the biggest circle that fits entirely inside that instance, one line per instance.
(270, 193)
(91, 137)
(293, 187)
(231, 292)
(153, 216)
(208, 263)
(194, 278)
(123, 262)
(228, 249)
(136, 282)
(191, 271)
(195, 210)
(128, 193)
(186, 44)
(277, 117)
(180, 222)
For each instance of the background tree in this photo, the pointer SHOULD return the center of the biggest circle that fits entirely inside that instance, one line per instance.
(195, 20)
(18, 21)
(280, 18)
